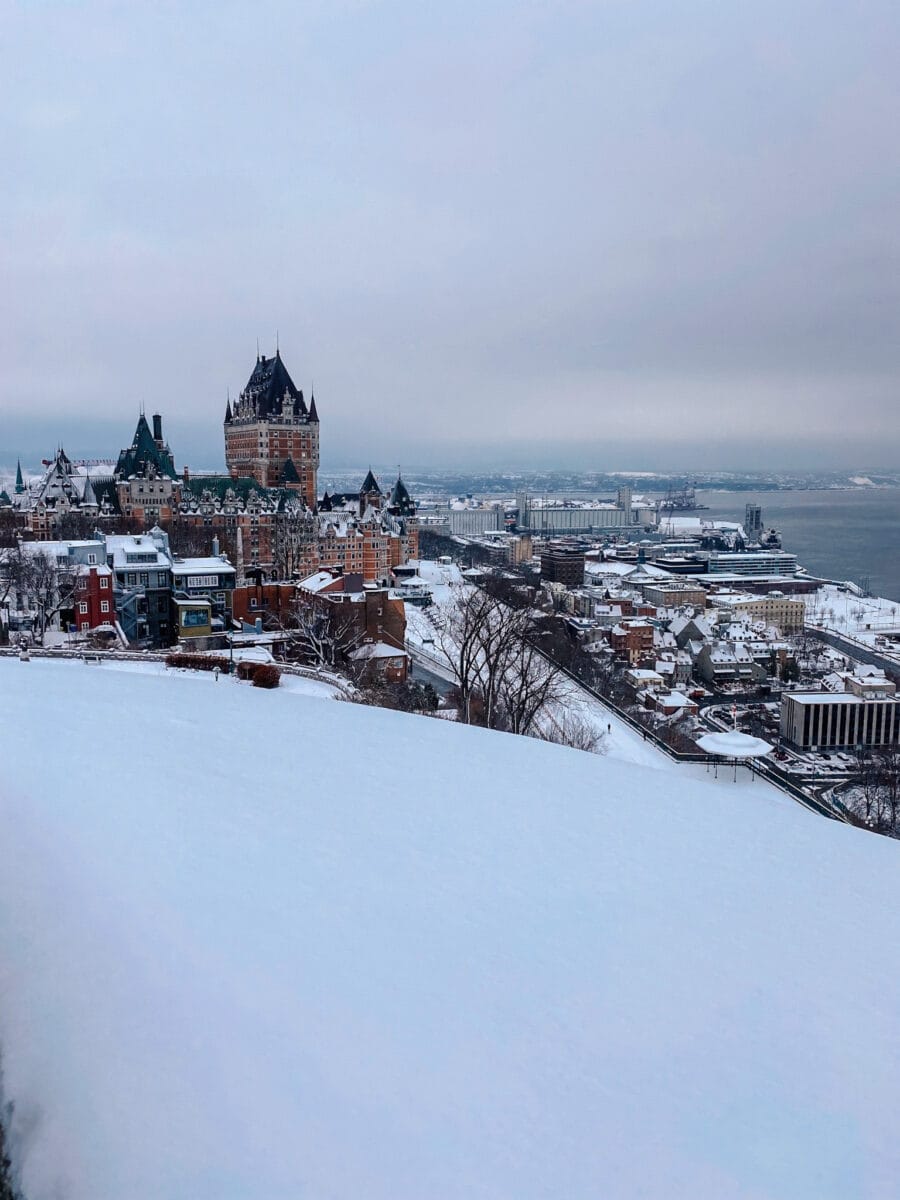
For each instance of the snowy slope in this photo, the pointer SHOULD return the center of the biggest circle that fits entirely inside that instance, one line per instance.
(260, 945)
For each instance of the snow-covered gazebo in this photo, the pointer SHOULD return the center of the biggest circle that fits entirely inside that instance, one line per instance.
(734, 746)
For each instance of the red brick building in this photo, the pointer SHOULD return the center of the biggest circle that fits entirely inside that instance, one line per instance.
(266, 600)
(270, 434)
(93, 603)
(631, 639)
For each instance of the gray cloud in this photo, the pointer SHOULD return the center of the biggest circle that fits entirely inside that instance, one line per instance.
(502, 229)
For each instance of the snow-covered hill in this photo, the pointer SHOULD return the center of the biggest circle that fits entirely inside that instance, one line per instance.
(255, 944)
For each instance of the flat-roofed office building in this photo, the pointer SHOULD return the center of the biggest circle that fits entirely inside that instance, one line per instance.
(820, 720)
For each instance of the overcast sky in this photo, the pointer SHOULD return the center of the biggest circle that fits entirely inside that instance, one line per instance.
(611, 234)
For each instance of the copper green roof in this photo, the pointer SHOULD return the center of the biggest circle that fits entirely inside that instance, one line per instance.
(144, 452)
(218, 485)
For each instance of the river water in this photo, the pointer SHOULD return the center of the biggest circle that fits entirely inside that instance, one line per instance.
(839, 534)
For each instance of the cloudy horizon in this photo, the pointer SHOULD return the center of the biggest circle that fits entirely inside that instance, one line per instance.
(573, 235)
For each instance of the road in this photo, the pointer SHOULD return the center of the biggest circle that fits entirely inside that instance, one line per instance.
(853, 650)
(423, 672)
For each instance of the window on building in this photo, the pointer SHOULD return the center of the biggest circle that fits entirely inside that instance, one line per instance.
(145, 578)
(82, 607)
(92, 558)
(104, 581)
(104, 606)
(85, 625)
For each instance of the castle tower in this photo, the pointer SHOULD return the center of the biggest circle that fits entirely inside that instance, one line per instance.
(148, 489)
(271, 435)
(370, 494)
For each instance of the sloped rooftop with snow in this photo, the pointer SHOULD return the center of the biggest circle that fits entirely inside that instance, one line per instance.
(261, 944)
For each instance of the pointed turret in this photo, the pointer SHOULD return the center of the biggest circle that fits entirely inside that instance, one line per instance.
(228, 417)
(89, 496)
(20, 483)
(289, 476)
(400, 502)
(313, 415)
(370, 485)
(145, 452)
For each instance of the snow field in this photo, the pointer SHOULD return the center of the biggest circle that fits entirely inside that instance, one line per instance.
(253, 945)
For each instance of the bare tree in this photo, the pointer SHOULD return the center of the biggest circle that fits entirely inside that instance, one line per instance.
(319, 632)
(53, 590)
(16, 568)
(294, 533)
(530, 683)
(11, 526)
(572, 730)
(888, 780)
(502, 678)
(189, 540)
(460, 630)
(866, 775)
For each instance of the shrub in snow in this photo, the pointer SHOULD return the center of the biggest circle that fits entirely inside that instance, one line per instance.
(265, 675)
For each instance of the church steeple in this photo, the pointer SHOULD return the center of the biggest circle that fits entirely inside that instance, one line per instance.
(20, 483)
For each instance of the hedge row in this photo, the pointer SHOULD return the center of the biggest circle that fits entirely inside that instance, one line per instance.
(261, 675)
(197, 662)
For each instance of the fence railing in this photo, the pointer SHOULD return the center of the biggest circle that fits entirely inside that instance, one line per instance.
(776, 775)
(89, 655)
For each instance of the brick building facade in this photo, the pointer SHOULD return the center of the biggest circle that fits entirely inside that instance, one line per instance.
(271, 435)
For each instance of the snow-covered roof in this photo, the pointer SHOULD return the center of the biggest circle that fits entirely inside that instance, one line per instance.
(734, 744)
(675, 699)
(868, 671)
(729, 652)
(93, 568)
(213, 565)
(122, 546)
(645, 572)
(372, 650)
(60, 549)
(316, 582)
